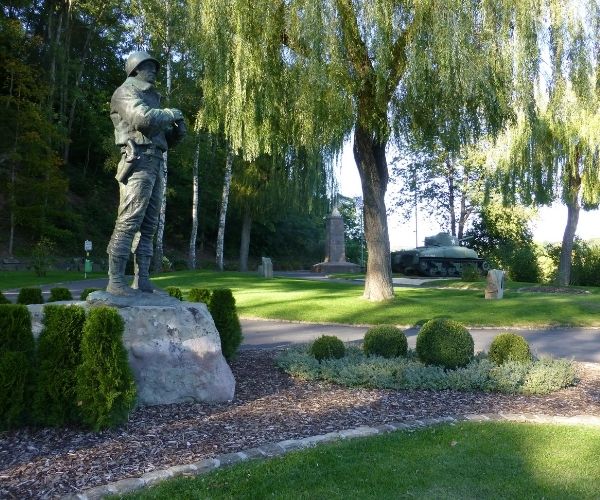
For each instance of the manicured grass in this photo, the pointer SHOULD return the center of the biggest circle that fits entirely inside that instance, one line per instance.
(465, 461)
(322, 301)
(20, 279)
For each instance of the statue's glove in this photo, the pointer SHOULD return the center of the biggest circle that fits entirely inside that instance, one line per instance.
(175, 113)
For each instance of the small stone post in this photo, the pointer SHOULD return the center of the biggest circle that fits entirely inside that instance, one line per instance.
(266, 269)
(495, 284)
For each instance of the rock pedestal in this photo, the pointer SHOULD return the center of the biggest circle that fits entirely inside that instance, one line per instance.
(495, 284)
(174, 348)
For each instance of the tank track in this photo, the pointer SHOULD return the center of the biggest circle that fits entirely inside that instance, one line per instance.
(447, 267)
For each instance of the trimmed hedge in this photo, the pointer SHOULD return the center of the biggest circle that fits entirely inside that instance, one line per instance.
(200, 295)
(16, 364)
(59, 355)
(4, 300)
(385, 340)
(86, 292)
(30, 296)
(509, 347)
(105, 389)
(59, 293)
(174, 291)
(446, 343)
(327, 347)
(224, 314)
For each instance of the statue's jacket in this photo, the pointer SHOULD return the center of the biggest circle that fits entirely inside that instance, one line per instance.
(136, 114)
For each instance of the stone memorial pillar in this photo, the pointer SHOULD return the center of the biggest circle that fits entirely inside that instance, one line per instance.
(335, 248)
(495, 284)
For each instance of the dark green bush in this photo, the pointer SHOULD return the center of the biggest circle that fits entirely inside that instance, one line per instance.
(58, 293)
(470, 273)
(199, 295)
(327, 347)
(4, 300)
(30, 296)
(446, 343)
(59, 355)
(86, 292)
(105, 387)
(180, 265)
(385, 340)
(509, 347)
(224, 314)
(16, 365)
(174, 291)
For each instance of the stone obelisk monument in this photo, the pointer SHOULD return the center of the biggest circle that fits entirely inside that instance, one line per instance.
(335, 248)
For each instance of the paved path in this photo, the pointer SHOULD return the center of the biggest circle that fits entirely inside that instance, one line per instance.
(582, 344)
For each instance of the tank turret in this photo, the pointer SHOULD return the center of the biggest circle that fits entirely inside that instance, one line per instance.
(442, 255)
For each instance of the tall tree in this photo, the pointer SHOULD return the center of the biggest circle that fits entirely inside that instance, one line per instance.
(223, 212)
(310, 72)
(553, 153)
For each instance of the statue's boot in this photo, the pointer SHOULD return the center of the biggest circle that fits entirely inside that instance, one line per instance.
(141, 280)
(117, 284)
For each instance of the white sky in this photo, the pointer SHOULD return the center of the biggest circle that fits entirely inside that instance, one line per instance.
(549, 227)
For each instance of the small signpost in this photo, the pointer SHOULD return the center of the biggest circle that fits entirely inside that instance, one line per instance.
(87, 266)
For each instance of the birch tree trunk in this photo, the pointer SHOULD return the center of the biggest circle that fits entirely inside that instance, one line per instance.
(245, 241)
(223, 215)
(195, 196)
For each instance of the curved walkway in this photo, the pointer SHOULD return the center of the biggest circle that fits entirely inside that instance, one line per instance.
(270, 450)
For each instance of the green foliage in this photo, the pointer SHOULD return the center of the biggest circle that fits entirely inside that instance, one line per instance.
(224, 314)
(105, 387)
(199, 295)
(41, 256)
(59, 293)
(327, 347)
(470, 273)
(509, 347)
(59, 355)
(445, 342)
(16, 360)
(86, 292)
(30, 296)
(586, 264)
(3, 299)
(356, 369)
(385, 340)
(174, 291)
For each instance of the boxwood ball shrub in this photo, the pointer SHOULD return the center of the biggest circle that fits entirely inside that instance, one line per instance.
(59, 293)
(509, 347)
(59, 355)
(199, 295)
(16, 365)
(327, 347)
(86, 292)
(224, 314)
(174, 291)
(385, 340)
(446, 343)
(30, 296)
(105, 387)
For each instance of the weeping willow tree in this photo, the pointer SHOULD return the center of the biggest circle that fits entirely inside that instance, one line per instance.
(553, 154)
(310, 73)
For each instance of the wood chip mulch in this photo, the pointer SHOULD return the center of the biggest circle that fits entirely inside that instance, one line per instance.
(555, 289)
(269, 406)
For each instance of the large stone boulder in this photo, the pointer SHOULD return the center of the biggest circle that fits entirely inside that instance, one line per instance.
(174, 347)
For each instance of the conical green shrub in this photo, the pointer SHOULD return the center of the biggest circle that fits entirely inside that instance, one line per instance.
(105, 387)
(224, 314)
(59, 355)
(16, 365)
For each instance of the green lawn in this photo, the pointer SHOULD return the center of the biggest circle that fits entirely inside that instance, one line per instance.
(465, 461)
(322, 301)
(20, 279)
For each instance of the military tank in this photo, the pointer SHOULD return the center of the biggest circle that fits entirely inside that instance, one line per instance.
(442, 255)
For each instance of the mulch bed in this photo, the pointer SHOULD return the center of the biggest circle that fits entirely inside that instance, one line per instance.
(269, 406)
(554, 289)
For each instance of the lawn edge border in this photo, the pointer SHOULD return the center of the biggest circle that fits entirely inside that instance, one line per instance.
(269, 450)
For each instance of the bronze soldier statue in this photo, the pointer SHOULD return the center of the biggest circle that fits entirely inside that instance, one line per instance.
(143, 131)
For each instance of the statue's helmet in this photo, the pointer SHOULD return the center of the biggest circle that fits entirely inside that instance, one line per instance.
(137, 58)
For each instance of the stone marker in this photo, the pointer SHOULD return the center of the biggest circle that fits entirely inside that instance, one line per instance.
(266, 268)
(335, 248)
(495, 284)
(174, 348)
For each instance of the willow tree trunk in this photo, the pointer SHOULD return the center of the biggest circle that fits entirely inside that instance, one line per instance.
(372, 167)
(245, 241)
(195, 196)
(223, 215)
(451, 188)
(566, 251)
